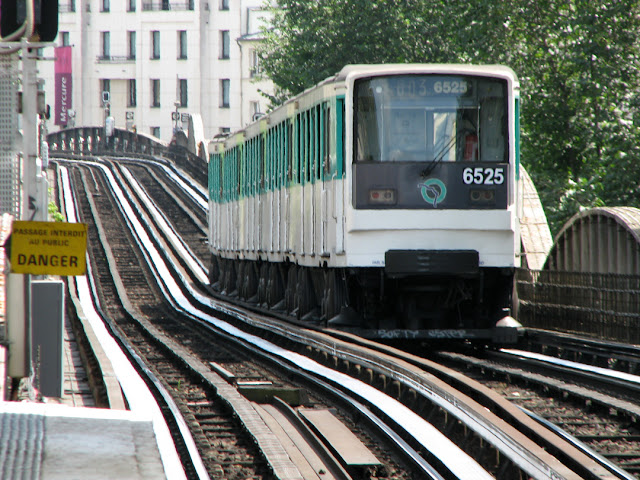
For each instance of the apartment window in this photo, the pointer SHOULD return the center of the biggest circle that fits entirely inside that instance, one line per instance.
(106, 44)
(254, 67)
(132, 45)
(254, 109)
(182, 44)
(183, 92)
(132, 94)
(224, 44)
(155, 45)
(155, 93)
(224, 91)
(105, 90)
(131, 7)
(65, 39)
(70, 6)
(224, 4)
(155, 131)
(106, 5)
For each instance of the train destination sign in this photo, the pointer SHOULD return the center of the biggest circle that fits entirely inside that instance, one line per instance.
(48, 248)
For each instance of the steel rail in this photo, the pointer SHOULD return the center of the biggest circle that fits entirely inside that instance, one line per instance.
(169, 405)
(621, 474)
(520, 456)
(461, 465)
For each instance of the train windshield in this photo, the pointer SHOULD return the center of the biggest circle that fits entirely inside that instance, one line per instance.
(430, 118)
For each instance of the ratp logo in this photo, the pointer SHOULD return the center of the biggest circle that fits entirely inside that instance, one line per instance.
(433, 191)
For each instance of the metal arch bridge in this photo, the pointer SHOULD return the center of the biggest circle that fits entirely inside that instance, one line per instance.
(92, 141)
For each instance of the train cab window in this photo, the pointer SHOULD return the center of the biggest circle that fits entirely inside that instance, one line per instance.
(426, 118)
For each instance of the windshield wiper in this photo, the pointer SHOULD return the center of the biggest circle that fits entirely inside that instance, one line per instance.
(434, 163)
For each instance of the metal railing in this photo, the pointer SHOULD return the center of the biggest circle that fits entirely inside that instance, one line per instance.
(115, 59)
(605, 306)
(167, 6)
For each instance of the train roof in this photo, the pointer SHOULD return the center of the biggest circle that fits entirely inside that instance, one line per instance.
(364, 70)
(408, 68)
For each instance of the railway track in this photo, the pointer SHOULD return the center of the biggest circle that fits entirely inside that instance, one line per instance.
(579, 400)
(120, 274)
(181, 353)
(408, 380)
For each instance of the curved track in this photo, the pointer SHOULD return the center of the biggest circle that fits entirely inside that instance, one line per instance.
(387, 383)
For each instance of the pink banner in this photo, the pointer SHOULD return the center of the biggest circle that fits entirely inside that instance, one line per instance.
(63, 84)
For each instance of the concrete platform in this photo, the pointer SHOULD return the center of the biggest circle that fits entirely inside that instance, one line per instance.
(52, 441)
(64, 438)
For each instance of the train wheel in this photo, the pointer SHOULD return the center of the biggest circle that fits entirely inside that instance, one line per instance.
(228, 277)
(263, 281)
(334, 295)
(515, 300)
(275, 288)
(305, 297)
(251, 281)
(214, 270)
(240, 278)
(290, 291)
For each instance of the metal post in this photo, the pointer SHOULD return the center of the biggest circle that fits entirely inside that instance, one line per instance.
(30, 199)
(33, 207)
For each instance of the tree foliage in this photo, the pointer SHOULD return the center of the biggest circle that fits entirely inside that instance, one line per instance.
(577, 60)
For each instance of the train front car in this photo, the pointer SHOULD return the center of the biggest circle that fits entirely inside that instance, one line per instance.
(432, 227)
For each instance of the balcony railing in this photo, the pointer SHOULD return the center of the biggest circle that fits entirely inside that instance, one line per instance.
(115, 59)
(167, 6)
(67, 7)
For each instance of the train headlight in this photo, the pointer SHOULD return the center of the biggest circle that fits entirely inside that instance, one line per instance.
(482, 196)
(382, 196)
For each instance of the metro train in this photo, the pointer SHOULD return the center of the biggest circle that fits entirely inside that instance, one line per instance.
(383, 201)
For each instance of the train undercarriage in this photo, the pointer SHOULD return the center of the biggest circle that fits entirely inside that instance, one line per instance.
(376, 302)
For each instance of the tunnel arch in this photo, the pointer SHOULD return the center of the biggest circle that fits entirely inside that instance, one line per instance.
(598, 240)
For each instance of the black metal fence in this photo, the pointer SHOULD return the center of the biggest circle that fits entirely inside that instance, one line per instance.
(605, 306)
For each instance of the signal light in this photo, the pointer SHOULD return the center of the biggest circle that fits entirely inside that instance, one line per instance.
(13, 14)
(484, 196)
(383, 196)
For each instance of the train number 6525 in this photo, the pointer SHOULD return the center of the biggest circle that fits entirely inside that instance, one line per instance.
(483, 176)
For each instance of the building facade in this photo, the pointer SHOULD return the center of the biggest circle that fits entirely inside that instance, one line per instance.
(147, 63)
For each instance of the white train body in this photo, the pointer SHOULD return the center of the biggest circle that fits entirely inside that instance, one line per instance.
(371, 167)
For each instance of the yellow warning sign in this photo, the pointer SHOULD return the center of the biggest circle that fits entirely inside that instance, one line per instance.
(48, 248)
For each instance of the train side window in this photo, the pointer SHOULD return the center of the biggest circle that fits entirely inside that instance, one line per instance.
(310, 150)
(318, 142)
(305, 147)
(290, 151)
(367, 141)
(281, 153)
(264, 182)
(339, 137)
(268, 160)
(492, 123)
